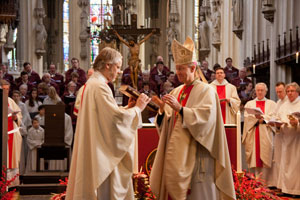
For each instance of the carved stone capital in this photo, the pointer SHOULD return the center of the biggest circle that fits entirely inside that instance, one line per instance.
(268, 10)
(217, 45)
(238, 33)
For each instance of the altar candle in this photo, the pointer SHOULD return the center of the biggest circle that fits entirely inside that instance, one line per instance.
(253, 69)
(238, 145)
(149, 22)
(129, 19)
(112, 19)
(145, 24)
(297, 57)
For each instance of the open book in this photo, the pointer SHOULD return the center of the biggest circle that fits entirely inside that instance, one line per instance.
(274, 122)
(132, 92)
(254, 111)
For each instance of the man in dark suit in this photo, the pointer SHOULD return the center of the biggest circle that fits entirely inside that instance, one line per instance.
(57, 78)
(76, 68)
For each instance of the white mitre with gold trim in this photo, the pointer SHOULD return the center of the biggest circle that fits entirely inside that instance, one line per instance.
(183, 54)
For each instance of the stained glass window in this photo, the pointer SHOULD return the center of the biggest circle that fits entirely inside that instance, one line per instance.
(99, 10)
(66, 43)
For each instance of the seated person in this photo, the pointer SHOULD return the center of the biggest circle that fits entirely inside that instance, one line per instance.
(42, 91)
(168, 86)
(33, 103)
(24, 91)
(35, 138)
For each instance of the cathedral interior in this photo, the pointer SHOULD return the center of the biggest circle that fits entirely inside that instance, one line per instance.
(259, 38)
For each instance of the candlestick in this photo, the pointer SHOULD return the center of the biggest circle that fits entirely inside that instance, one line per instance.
(238, 144)
(253, 69)
(297, 57)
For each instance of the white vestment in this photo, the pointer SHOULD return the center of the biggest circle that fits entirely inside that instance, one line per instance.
(102, 160)
(289, 171)
(25, 114)
(273, 174)
(188, 149)
(234, 105)
(41, 119)
(35, 138)
(17, 138)
(265, 137)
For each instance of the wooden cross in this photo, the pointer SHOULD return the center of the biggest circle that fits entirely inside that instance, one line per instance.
(132, 30)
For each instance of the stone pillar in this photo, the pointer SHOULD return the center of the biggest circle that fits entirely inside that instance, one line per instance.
(74, 30)
(26, 37)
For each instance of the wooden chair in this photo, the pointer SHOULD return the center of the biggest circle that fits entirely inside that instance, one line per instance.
(54, 147)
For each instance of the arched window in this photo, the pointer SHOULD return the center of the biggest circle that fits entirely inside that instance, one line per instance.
(99, 11)
(66, 43)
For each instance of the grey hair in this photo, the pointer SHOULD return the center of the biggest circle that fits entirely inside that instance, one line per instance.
(293, 84)
(23, 86)
(106, 56)
(262, 84)
(46, 74)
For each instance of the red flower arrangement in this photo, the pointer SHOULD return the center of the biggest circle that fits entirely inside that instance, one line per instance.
(61, 196)
(4, 183)
(142, 188)
(248, 187)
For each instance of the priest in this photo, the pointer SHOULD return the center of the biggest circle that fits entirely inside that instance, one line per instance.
(257, 134)
(229, 98)
(14, 137)
(272, 177)
(289, 173)
(192, 160)
(102, 161)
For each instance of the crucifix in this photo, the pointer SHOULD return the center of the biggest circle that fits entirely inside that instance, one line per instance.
(131, 32)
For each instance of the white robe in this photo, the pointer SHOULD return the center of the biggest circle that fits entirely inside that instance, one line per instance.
(289, 172)
(35, 138)
(104, 146)
(17, 138)
(41, 119)
(273, 174)
(188, 150)
(26, 119)
(234, 105)
(265, 136)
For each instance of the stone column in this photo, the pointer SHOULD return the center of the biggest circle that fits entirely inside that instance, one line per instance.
(74, 37)
(26, 37)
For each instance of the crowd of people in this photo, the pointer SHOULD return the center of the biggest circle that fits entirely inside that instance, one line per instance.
(270, 136)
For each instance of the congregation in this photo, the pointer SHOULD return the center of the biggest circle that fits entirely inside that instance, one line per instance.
(269, 137)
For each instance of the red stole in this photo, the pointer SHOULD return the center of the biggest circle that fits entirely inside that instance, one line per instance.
(221, 90)
(10, 127)
(259, 163)
(183, 97)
